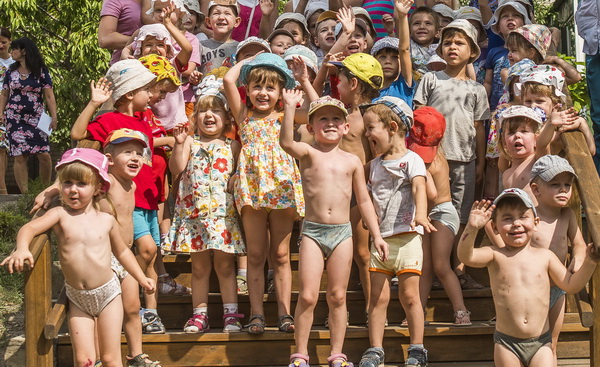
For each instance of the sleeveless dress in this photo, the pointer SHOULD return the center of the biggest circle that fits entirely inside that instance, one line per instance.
(267, 176)
(205, 217)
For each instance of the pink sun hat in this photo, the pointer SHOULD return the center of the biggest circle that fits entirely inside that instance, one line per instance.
(90, 157)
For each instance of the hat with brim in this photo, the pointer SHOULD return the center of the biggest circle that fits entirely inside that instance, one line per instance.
(295, 17)
(546, 75)
(521, 111)
(549, 166)
(127, 76)
(444, 11)
(518, 193)
(157, 31)
(278, 32)
(269, 61)
(386, 42)
(361, 11)
(327, 14)
(513, 4)
(469, 30)
(314, 6)
(253, 41)
(364, 67)
(194, 6)
(306, 54)
(427, 132)
(397, 105)
(89, 157)
(324, 102)
(122, 135)
(537, 35)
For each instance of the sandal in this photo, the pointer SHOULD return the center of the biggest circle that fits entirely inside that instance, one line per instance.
(242, 284)
(168, 286)
(197, 324)
(256, 328)
(339, 360)
(466, 282)
(298, 360)
(231, 322)
(142, 360)
(286, 326)
(462, 318)
(372, 357)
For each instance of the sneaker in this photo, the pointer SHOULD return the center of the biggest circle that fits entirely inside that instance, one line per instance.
(168, 285)
(242, 284)
(197, 324)
(231, 322)
(417, 357)
(151, 324)
(372, 357)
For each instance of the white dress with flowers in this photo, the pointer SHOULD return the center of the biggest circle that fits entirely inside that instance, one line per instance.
(205, 217)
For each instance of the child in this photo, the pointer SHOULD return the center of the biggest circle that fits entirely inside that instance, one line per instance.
(473, 15)
(205, 223)
(541, 86)
(360, 78)
(92, 288)
(507, 17)
(325, 34)
(268, 191)
(445, 13)
(396, 180)
(295, 23)
(530, 41)
(424, 138)
(424, 29)
(523, 140)
(551, 180)
(326, 232)
(280, 40)
(223, 17)
(520, 276)
(395, 58)
(351, 34)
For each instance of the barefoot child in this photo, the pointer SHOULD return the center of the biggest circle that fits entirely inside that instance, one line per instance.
(92, 288)
(268, 189)
(397, 182)
(326, 237)
(205, 223)
(520, 277)
(551, 180)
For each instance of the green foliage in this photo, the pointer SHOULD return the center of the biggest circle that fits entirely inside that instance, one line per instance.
(66, 33)
(579, 90)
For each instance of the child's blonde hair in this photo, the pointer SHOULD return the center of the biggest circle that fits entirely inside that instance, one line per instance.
(386, 116)
(261, 76)
(516, 40)
(80, 172)
(546, 90)
(210, 102)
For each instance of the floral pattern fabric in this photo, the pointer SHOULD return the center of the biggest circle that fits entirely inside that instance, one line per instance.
(23, 111)
(267, 176)
(205, 216)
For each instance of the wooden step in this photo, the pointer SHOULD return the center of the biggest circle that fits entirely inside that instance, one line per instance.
(175, 310)
(442, 340)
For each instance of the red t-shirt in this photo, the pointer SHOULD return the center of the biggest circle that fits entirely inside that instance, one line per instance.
(159, 156)
(146, 193)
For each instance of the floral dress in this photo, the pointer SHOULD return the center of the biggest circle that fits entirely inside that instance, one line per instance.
(205, 217)
(267, 176)
(23, 111)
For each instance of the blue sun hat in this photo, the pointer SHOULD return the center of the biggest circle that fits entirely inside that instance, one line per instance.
(269, 61)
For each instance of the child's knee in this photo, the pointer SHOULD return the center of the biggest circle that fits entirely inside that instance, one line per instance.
(308, 298)
(336, 298)
(225, 268)
(83, 359)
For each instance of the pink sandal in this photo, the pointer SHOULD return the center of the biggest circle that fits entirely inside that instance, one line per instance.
(299, 360)
(339, 360)
(197, 324)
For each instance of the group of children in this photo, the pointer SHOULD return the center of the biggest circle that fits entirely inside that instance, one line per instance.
(379, 155)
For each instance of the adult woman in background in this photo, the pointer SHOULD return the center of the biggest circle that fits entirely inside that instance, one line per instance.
(5, 62)
(27, 85)
(119, 19)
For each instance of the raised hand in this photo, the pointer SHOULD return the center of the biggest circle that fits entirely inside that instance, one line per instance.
(292, 97)
(100, 91)
(388, 23)
(481, 213)
(180, 133)
(403, 6)
(267, 7)
(347, 18)
(166, 14)
(299, 69)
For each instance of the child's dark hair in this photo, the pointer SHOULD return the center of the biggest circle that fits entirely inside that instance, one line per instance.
(210, 102)
(263, 75)
(387, 50)
(508, 202)
(427, 10)
(516, 40)
(365, 89)
(5, 32)
(386, 116)
(451, 32)
(33, 57)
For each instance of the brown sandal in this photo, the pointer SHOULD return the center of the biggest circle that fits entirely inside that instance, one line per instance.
(256, 327)
(466, 282)
(286, 323)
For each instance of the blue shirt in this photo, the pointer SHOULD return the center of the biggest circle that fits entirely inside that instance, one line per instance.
(399, 89)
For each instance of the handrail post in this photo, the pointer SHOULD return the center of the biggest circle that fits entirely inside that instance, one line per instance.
(38, 301)
(595, 330)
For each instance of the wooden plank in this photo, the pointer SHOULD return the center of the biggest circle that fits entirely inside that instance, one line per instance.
(585, 308)
(92, 144)
(38, 300)
(57, 316)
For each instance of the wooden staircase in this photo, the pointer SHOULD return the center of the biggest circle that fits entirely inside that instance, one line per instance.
(447, 345)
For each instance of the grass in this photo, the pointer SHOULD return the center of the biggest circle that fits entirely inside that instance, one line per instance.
(12, 217)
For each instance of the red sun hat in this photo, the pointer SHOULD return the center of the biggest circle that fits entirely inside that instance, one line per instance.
(427, 132)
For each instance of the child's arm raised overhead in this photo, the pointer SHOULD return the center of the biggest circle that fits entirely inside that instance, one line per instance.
(301, 75)
(238, 110)
(573, 282)
(402, 9)
(127, 258)
(100, 93)
(347, 18)
(419, 191)
(367, 211)
(181, 150)
(266, 26)
(16, 260)
(183, 57)
(481, 212)
(298, 150)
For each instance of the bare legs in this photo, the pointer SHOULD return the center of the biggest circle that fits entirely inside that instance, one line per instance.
(22, 174)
